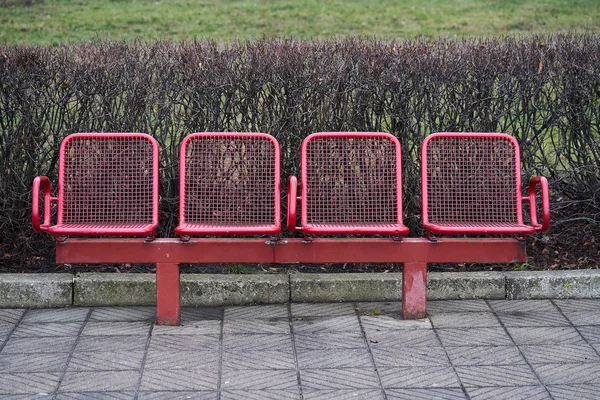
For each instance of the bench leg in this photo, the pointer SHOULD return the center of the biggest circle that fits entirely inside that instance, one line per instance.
(168, 311)
(414, 290)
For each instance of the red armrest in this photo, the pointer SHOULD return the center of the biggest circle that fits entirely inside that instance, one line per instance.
(35, 204)
(292, 198)
(539, 180)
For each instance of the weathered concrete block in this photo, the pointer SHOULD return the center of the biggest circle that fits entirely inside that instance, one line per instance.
(576, 284)
(109, 289)
(465, 285)
(35, 290)
(222, 290)
(345, 287)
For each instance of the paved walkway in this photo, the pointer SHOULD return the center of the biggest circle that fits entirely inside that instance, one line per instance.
(466, 349)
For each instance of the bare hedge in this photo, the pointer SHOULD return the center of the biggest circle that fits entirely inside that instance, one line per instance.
(543, 90)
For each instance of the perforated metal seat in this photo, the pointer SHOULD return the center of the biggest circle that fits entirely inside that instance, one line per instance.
(107, 185)
(471, 184)
(229, 184)
(351, 183)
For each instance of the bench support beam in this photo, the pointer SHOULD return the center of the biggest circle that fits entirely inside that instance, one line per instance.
(168, 310)
(414, 290)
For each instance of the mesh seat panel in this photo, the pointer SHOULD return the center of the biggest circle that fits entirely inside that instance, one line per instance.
(229, 183)
(351, 183)
(108, 184)
(472, 184)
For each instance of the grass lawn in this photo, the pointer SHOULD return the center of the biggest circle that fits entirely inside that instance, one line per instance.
(57, 21)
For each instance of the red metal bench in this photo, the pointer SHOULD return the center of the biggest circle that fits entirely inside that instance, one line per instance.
(351, 184)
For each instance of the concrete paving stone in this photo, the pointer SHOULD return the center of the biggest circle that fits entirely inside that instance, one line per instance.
(597, 347)
(516, 392)
(338, 358)
(124, 314)
(106, 361)
(338, 379)
(11, 315)
(188, 360)
(362, 394)
(410, 357)
(74, 314)
(390, 339)
(247, 342)
(39, 345)
(29, 383)
(111, 343)
(5, 329)
(575, 305)
(48, 329)
(425, 394)
(567, 374)
(545, 335)
(590, 333)
(304, 310)
(474, 337)
(575, 392)
(184, 343)
(532, 318)
(42, 396)
(178, 380)
(566, 353)
(465, 320)
(348, 324)
(201, 313)
(172, 395)
(456, 306)
(45, 362)
(116, 328)
(496, 375)
(418, 377)
(386, 322)
(280, 326)
(484, 355)
(286, 380)
(390, 308)
(580, 318)
(206, 327)
(270, 311)
(522, 306)
(329, 340)
(261, 395)
(267, 360)
(96, 396)
(99, 381)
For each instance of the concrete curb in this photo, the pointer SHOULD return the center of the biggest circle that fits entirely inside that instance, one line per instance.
(109, 289)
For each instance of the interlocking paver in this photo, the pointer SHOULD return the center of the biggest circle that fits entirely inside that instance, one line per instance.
(387, 308)
(47, 329)
(96, 395)
(590, 333)
(484, 355)
(579, 318)
(336, 358)
(465, 320)
(75, 314)
(28, 383)
(106, 361)
(385, 322)
(129, 314)
(182, 395)
(567, 374)
(533, 318)
(456, 306)
(10, 316)
(111, 343)
(184, 343)
(247, 342)
(330, 379)
(522, 306)
(402, 338)
(281, 326)
(329, 340)
(343, 394)
(272, 311)
(410, 356)
(39, 345)
(5, 329)
(261, 395)
(588, 305)
(497, 375)
(418, 377)
(560, 353)
(327, 324)
(303, 310)
(201, 313)
(179, 380)
(43, 362)
(575, 392)
(244, 360)
(99, 381)
(116, 328)
(516, 392)
(474, 337)
(425, 394)
(189, 360)
(205, 327)
(545, 335)
(285, 380)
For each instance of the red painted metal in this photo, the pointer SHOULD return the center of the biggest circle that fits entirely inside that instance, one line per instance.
(471, 184)
(107, 185)
(168, 310)
(292, 199)
(414, 290)
(35, 201)
(351, 184)
(533, 183)
(229, 184)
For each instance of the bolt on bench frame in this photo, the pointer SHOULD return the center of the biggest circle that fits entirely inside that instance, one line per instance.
(348, 174)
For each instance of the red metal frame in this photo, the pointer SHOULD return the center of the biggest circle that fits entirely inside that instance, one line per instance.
(460, 227)
(396, 228)
(186, 228)
(60, 229)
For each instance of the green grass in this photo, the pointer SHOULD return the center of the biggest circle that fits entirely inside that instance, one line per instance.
(58, 21)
